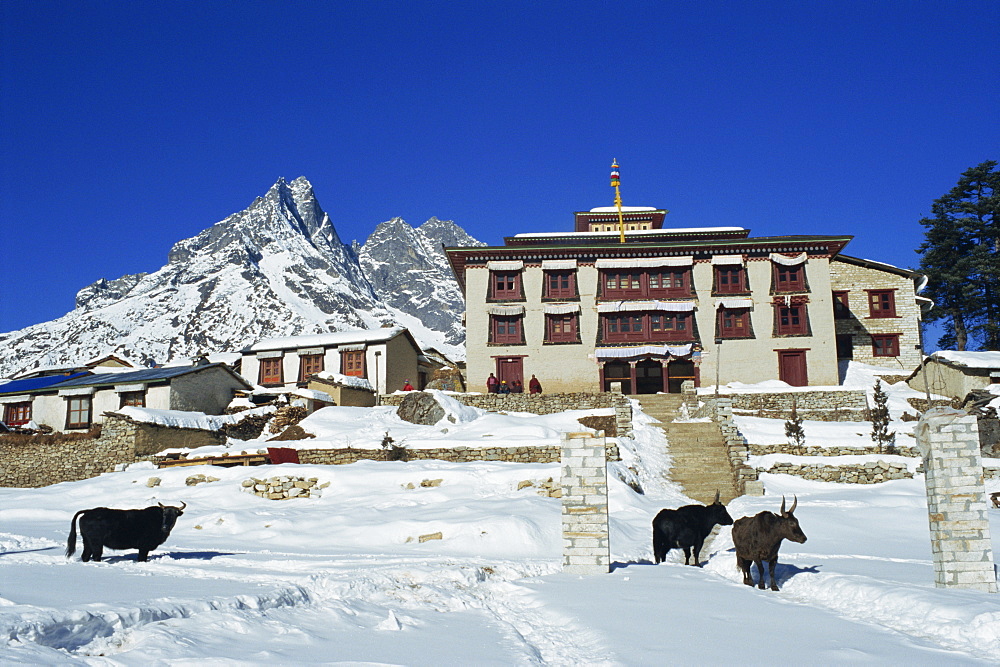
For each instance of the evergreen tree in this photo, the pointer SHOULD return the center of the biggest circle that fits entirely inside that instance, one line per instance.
(961, 257)
(793, 428)
(881, 435)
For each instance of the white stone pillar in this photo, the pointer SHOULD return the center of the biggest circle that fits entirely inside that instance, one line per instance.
(956, 500)
(586, 546)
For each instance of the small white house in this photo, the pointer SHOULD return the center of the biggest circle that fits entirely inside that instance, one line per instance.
(79, 401)
(387, 358)
(955, 374)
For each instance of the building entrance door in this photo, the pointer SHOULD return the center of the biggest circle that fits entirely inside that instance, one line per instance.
(618, 371)
(648, 377)
(678, 371)
(510, 369)
(792, 367)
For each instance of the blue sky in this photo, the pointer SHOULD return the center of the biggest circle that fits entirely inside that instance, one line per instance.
(128, 126)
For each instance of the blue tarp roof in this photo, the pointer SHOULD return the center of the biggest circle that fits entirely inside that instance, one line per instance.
(90, 379)
(31, 384)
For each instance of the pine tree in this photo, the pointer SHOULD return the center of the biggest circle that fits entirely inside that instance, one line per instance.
(881, 435)
(961, 257)
(793, 428)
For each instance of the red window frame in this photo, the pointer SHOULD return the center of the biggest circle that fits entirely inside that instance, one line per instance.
(78, 409)
(733, 323)
(560, 284)
(507, 329)
(621, 284)
(668, 282)
(730, 279)
(271, 371)
(562, 328)
(789, 278)
(310, 364)
(352, 363)
(841, 305)
(505, 285)
(135, 399)
(645, 283)
(17, 414)
(791, 320)
(636, 327)
(881, 303)
(885, 345)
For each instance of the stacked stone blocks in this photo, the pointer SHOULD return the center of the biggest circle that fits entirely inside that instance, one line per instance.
(586, 543)
(956, 501)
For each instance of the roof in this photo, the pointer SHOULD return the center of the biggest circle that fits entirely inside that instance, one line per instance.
(625, 209)
(881, 266)
(978, 360)
(330, 339)
(144, 375)
(36, 383)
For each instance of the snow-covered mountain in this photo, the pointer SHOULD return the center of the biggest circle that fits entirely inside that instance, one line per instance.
(277, 268)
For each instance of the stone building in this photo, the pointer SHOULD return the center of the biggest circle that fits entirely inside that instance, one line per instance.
(582, 310)
(955, 374)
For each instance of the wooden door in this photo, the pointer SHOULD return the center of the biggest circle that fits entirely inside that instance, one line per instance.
(792, 367)
(510, 369)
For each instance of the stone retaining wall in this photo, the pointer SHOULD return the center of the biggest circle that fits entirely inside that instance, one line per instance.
(811, 450)
(828, 406)
(546, 454)
(858, 473)
(542, 404)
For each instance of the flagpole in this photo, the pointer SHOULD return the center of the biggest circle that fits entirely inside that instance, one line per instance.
(615, 182)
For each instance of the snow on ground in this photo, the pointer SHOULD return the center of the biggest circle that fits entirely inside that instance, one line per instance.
(344, 578)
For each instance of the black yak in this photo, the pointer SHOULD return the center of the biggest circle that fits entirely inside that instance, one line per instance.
(686, 528)
(757, 539)
(143, 529)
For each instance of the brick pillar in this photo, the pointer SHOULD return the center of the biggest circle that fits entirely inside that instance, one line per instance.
(956, 500)
(586, 546)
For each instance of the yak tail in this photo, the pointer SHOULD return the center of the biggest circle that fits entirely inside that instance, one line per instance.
(71, 542)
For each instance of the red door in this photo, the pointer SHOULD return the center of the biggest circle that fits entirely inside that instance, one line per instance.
(510, 369)
(792, 367)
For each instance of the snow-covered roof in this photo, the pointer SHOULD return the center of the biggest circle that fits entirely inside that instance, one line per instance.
(630, 232)
(625, 209)
(987, 360)
(328, 339)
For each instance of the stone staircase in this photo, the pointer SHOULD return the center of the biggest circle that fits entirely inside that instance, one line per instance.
(701, 462)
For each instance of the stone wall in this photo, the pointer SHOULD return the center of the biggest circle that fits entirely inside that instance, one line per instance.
(344, 456)
(542, 404)
(873, 472)
(720, 410)
(811, 450)
(584, 480)
(828, 406)
(33, 465)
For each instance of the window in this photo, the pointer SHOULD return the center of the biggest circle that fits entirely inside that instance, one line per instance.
(791, 321)
(841, 306)
(881, 303)
(560, 284)
(635, 284)
(309, 364)
(660, 327)
(789, 278)
(734, 323)
(135, 399)
(352, 362)
(730, 279)
(16, 414)
(505, 285)
(562, 328)
(78, 412)
(622, 284)
(885, 345)
(270, 371)
(506, 329)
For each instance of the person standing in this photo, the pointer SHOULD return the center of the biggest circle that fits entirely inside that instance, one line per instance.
(407, 386)
(534, 386)
(492, 384)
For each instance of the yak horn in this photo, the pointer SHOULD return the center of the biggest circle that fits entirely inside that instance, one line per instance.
(782, 510)
(795, 504)
(716, 497)
(184, 504)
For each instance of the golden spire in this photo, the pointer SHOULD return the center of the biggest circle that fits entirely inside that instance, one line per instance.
(615, 183)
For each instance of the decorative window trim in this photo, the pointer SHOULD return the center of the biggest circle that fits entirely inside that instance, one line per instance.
(643, 263)
(310, 351)
(351, 348)
(272, 354)
(516, 291)
(77, 391)
(559, 265)
(802, 329)
(778, 258)
(728, 260)
(17, 398)
(563, 338)
(128, 388)
(560, 308)
(507, 339)
(743, 287)
(656, 350)
(505, 310)
(743, 314)
(625, 306)
(569, 292)
(734, 302)
(512, 265)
